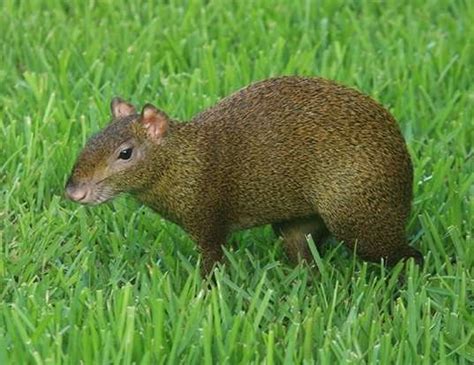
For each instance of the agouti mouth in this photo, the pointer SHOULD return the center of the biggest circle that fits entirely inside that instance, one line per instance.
(87, 194)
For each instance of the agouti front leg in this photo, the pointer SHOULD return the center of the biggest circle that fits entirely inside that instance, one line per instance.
(209, 240)
(294, 234)
(211, 255)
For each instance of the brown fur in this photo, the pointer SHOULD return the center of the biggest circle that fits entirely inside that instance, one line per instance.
(305, 154)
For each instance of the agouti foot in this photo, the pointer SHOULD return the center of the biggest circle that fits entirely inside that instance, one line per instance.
(405, 255)
(418, 257)
(415, 254)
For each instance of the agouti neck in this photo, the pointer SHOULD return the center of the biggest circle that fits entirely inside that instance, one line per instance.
(173, 169)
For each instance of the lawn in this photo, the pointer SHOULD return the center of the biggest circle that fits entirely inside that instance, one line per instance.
(118, 284)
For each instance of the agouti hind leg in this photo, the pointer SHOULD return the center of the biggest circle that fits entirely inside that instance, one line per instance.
(294, 234)
(404, 253)
(391, 254)
(374, 238)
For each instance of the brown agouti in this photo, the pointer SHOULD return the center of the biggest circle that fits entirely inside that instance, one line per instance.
(305, 154)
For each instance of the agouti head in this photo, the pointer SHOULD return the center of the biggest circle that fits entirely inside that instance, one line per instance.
(114, 160)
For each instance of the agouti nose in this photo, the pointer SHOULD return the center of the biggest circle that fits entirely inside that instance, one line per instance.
(76, 193)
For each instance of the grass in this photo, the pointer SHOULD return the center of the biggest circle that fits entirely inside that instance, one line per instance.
(116, 284)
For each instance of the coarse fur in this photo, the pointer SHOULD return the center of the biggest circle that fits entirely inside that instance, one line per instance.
(306, 155)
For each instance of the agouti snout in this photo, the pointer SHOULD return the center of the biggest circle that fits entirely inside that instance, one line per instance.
(304, 154)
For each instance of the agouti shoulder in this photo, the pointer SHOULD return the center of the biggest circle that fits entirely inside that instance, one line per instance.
(306, 155)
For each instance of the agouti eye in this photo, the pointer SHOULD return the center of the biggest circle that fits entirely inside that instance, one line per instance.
(125, 154)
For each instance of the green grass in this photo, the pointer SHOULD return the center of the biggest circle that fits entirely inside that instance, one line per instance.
(117, 284)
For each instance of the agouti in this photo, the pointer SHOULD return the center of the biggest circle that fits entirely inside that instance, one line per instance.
(306, 155)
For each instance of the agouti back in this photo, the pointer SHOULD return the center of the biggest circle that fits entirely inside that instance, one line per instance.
(306, 155)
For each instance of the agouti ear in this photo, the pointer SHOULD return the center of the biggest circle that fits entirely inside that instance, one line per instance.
(120, 108)
(155, 122)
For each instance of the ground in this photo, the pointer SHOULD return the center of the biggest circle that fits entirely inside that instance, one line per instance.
(117, 284)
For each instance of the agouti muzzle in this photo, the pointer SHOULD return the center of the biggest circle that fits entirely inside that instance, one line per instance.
(303, 154)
